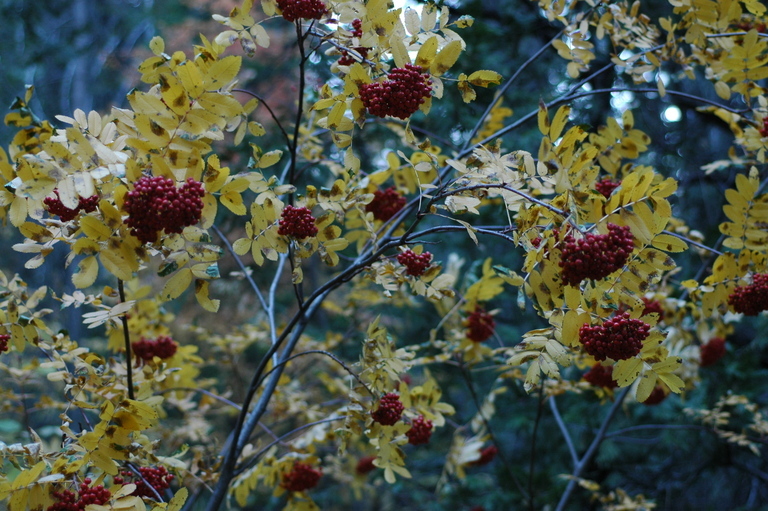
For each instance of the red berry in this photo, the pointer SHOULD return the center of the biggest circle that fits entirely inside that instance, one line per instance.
(163, 347)
(297, 223)
(652, 306)
(486, 455)
(301, 478)
(618, 338)
(67, 501)
(764, 129)
(657, 396)
(415, 264)
(302, 9)
(596, 255)
(711, 352)
(389, 411)
(601, 376)
(385, 204)
(752, 299)
(400, 96)
(421, 430)
(157, 477)
(55, 206)
(4, 338)
(606, 186)
(365, 465)
(155, 204)
(480, 325)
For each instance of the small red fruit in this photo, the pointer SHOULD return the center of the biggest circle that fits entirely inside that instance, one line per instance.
(618, 338)
(302, 9)
(486, 455)
(389, 411)
(752, 299)
(365, 465)
(301, 478)
(601, 376)
(606, 186)
(298, 223)
(711, 352)
(657, 396)
(385, 204)
(56, 207)
(400, 96)
(415, 264)
(163, 347)
(420, 432)
(4, 338)
(596, 255)
(480, 325)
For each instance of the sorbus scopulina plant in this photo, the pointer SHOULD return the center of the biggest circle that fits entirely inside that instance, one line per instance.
(155, 204)
(711, 352)
(302, 9)
(420, 432)
(618, 338)
(302, 477)
(415, 264)
(346, 59)
(385, 204)
(400, 96)
(55, 206)
(595, 256)
(297, 223)
(68, 501)
(480, 325)
(601, 376)
(752, 299)
(606, 186)
(389, 411)
(163, 347)
(158, 478)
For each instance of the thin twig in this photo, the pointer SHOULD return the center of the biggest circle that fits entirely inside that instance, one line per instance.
(271, 112)
(532, 463)
(564, 430)
(127, 338)
(240, 265)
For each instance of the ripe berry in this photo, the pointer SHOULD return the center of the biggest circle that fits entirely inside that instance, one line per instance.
(301, 478)
(67, 501)
(55, 206)
(302, 9)
(752, 299)
(163, 347)
(480, 325)
(421, 430)
(157, 477)
(618, 338)
(606, 186)
(385, 204)
(400, 96)
(365, 465)
(711, 352)
(155, 204)
(415, 264)
(4, 338)
(486, 455)
(657, 396)
(297, 223)
(652, 306)
(601, 376)
(389, 411)
(596, 255)
(764, 129)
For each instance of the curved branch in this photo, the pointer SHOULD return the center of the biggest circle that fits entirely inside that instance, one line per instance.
(271, 112)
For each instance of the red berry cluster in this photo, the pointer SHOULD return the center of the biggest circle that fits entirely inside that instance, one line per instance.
(711, 352)
(657, 396)
(596, 255)
(365, 465)
(157, 477)
(346, 59)
(302, 9)
(486, 455)
(297, 223)
(480, 325)
(652, 306)
(752, 299)
(764, 129)
(4, 338)
(415, 264)
(155, 204)
(619, 338)
(163, 347)
(55, 206)
(421, 430)
(601, 376)
(389, 411)
(400, 96)
(67, 501)
(385, 204)
(301, 478)
(606, 186)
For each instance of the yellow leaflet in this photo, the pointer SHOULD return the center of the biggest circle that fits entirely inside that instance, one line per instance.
(558, 123)
(270, 158)
(672, 381)
(201, 294)
(646, 386)
(427, 52)
(399, 51)
(543, 119)
(220, 105)
(174, 95)
(102, 461)
(95, 228)
(116, 263)
(86, 273)
(178, 500)
(176, 284)
(669, 243)
(484, 78)
(336, 115)
(446, 58)
(626, 371)
(222, 72)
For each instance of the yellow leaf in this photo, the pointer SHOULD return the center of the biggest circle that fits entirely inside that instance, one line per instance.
(176, 284)
(446, 58)
(669, 243)
(178, 500)
(427, 52)
(86, 273)
(115, 263)
(157, 45)
(399, 51)
(201, 293)
(626, 371)
(484, 78)
(270, 158)
(95, 228)
(646, 386)
(543, 119)
(558, 123)
(222, 72)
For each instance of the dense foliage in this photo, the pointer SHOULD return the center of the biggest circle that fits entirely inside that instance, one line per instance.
(395, 283)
